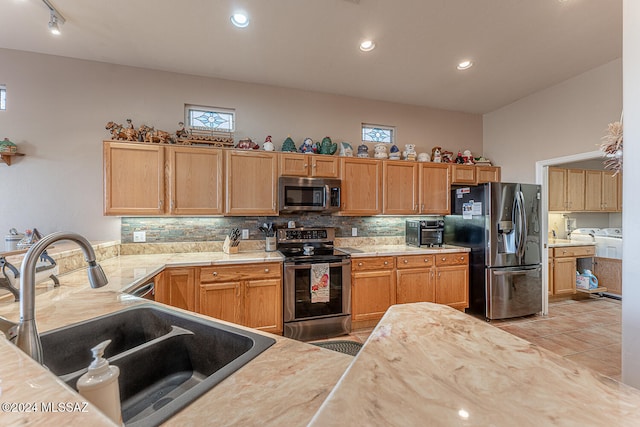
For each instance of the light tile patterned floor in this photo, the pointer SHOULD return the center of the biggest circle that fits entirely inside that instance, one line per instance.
(587, 331)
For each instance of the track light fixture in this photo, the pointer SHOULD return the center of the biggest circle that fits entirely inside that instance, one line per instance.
(55, 18)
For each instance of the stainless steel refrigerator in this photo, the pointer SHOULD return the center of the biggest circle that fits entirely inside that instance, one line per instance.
(500, 222)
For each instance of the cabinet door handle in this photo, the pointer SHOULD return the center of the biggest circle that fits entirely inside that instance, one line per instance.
(423, 208)
(306, 165)
(173, 204)
(426, 260)
(266, 270)
(160, 202)
(314, 165)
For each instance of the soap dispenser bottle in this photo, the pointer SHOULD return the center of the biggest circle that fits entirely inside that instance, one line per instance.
(100, 384)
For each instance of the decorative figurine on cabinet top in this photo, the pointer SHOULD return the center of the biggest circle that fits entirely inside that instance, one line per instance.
(380, 151)
(459, 159)
(363, 150)
(447, 156)
(468, 157)
(424, 157)
(327, 147)
(247, 144)
(394, 152)
(308, 146)
(289, 145)
(346, 150)
(268, 144)
(409, 152)
(436, 154)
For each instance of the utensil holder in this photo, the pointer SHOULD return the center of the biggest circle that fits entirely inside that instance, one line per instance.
(270, 244)
(227, 248)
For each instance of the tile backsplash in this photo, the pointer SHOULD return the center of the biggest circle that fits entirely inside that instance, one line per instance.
(201, 229)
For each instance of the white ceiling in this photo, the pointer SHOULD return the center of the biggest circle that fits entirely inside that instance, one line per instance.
(518, 46)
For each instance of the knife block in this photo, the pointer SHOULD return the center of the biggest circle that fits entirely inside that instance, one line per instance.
(227, 248)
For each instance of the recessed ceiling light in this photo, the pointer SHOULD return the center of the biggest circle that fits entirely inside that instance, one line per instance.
(240, 20)
(464, 65)
(367, 45)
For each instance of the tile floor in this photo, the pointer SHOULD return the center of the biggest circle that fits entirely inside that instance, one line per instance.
(586, 330)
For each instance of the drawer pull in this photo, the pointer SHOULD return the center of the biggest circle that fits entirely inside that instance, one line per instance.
(444, 258)
(359, 264)
(461, 258)
(426, 260)
(406, 261)
(215, 273)
(266, 270)
(387, 262)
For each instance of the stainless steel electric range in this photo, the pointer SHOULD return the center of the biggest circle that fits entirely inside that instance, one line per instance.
(310, 314)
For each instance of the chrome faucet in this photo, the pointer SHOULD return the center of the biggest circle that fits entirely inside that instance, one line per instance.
(27, 338)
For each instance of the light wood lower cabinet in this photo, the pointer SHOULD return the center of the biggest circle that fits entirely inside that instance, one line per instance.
(373, 287)
(452, 279)
(249, 295)
(415, 279)
(609, 274)
(379, 282)
(563, 265)
(176, 287)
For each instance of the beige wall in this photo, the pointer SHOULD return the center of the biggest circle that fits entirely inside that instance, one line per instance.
(630, 247)
(58, 107)
(565, 119)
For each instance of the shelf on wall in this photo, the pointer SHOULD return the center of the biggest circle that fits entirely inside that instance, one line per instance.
(7, 157)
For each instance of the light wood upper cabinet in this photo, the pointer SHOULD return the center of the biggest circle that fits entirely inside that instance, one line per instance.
(195, 181)
(309, 165)
(133, 179)
(610, 192)
(575, 189)
(434, 189)
(557, 189)
(251, 183)
(593, 190)
(399, 187)
(360, 187)
(463, 174)
(486, 174)
(579, 190)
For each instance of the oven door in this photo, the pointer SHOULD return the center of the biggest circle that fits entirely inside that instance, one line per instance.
(297, 291)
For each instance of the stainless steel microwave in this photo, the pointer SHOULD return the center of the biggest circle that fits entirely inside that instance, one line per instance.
(308, 195)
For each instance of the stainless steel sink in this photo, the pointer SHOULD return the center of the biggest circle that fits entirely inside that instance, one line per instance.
(167, 359)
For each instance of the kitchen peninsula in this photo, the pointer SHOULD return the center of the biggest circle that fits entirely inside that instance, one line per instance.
(423, 364)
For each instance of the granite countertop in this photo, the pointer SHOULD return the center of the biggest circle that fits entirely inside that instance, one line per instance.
(424, 364)
(279, 387)
(556, 243)
(428, 364)
(394, 250)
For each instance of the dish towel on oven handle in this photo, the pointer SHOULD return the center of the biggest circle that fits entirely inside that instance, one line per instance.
(320, 283)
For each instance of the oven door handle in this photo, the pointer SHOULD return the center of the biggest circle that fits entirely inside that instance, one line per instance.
(305, 264)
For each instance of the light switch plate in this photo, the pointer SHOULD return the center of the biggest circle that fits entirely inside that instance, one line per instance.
(245, 234)
(354, 231)
(139, 236)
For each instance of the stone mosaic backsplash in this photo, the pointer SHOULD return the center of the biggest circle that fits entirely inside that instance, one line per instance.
(203, 229)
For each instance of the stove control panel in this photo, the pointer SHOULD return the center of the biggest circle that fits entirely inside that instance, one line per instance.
(305, 234)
